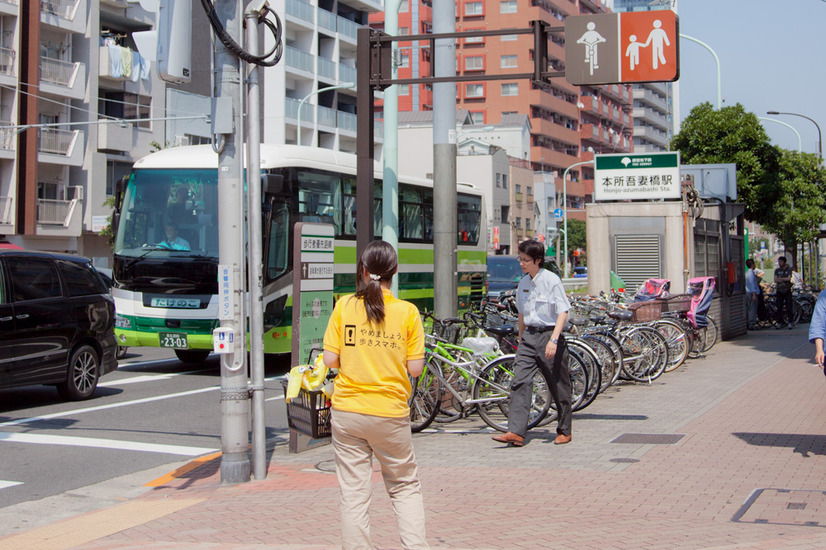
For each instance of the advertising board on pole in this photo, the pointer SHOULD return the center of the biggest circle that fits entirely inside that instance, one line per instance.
(632, 176)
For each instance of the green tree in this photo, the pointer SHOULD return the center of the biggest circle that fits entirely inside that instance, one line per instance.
(730, 135)
(795, 199)
(576, 238)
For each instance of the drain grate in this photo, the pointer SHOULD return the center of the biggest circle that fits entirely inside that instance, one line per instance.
(649, 439)
(784, 507)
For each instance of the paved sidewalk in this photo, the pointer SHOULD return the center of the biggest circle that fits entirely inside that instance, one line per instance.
(732, 455)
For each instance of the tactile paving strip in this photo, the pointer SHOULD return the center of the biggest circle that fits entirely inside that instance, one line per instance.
(784, 507)
(649, 439)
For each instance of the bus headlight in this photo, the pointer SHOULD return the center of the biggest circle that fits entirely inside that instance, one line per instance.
(122, 322)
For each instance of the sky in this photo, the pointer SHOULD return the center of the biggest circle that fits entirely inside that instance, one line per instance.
(772, 58)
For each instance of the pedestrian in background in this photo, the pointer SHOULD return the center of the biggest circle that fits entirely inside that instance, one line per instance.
(543, 309)
(783, 291)
(752, 295)
(376, 341)
(817, 330)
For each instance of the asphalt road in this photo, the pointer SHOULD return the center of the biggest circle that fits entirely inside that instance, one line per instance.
(148, 417)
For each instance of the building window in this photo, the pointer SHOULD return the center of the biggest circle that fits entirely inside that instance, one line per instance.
(508, 37)
(527, 224)
(474, 39)
(518, 188)
(114, 173)
(505, 213)
(474, 90)
(507, 6)
(519, 222)
(404, 31)
(404, 89)
(404, 7)
(475, 63)
(504, 181)
(510, 88)
(508, 113)
(473, 8)
(529, 191)
(478, 117)
(498, 180)
(509, 61)
(405, 61)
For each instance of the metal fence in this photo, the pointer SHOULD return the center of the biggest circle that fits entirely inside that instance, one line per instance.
(56, 71)
(52, 140)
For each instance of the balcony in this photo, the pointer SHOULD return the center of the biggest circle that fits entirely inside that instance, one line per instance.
(347, 122)
(9, 7)
(62, 78)
(551, 157)
(346, 28)
(549, 128)
(326, 20)
(326, 68)
(653, 135)
(61, 217)
(550, 101)
(300, 60)
(114, 136)
(63, 14)
(303, 11)
(7, 62)
(106, 69)
(63, 147)
(652, 99)
(347, 73)
(8, 139)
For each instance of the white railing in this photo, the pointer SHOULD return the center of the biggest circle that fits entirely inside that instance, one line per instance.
(302, 10)
(9, 2)
(52, 140)
(291, 107)
(346, 73)
(7, 135)
(299, 59)
(7, 61)
(60, 8)
(326, 116)
(52, 211)
(347, 27)
(56, 71)
(6, 204)
(326, 67)
(347, 121)
(326, 19)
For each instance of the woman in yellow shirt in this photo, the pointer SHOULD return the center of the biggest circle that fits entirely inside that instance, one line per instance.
(375, 340)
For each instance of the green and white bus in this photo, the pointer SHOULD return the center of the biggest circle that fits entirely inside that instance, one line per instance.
(166, 284)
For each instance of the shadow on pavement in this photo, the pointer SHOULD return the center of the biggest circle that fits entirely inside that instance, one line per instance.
(799, 443)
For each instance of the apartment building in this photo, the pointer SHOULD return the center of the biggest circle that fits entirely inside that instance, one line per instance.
(319, 67)
(70, 75)
(567, 124)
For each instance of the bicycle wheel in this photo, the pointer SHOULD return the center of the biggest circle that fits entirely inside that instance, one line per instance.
(648, 354)
(607, 359)
(424, 399)
(579, 385)
(706, 337)
(491, 392)
(619, 356)
(677, 339)
(593, 371)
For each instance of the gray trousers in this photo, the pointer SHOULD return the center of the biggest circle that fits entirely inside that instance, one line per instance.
(530, 357)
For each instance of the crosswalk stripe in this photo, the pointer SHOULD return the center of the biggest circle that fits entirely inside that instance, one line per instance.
(4, 484)
(73, 441)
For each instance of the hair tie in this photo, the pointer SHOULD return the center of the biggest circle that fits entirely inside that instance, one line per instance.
(375, 277)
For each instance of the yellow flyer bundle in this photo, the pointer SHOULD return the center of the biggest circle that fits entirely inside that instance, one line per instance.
(310, 378)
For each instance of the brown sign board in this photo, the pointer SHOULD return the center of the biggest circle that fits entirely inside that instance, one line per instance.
(610, 48)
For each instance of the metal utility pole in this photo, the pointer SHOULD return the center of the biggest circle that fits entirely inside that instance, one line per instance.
(226, 116)
(255, 275)
(445, 227)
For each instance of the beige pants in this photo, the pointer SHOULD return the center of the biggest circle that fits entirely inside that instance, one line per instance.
(356, 438)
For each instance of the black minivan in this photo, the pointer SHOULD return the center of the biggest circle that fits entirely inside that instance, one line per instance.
(57, 323)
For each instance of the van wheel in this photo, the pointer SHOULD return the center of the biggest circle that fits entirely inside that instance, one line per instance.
(82, 378)
(192, 355)
(121, 352)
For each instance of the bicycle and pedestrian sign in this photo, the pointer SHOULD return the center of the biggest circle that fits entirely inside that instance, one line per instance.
(610, 48)
(647, 176)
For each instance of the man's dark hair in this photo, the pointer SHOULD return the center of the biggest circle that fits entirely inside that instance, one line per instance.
(750, 263)
(533, 249)
(782, 259)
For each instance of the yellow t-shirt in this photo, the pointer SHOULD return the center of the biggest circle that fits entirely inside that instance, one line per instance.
(373, 375)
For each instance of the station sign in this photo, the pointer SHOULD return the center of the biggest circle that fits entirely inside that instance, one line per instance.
(610, 48)
(639, 176)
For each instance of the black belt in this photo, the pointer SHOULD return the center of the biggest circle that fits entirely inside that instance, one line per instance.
(536, 330)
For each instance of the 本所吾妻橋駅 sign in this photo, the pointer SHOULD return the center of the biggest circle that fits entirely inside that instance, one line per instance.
(637, 176)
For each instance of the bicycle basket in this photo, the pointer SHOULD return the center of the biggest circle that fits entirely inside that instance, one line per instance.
(309, 413)
(646, 311)
(678, 302)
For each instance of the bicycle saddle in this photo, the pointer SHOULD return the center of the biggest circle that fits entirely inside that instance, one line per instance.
(621, 315)
(501, 330)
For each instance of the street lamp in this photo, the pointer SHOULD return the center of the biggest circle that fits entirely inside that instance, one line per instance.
(306, 97)
(716, 59)
(565, 210)
(799, 140)
(819, 136)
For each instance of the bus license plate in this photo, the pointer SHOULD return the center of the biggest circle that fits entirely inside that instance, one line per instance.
(176, 340)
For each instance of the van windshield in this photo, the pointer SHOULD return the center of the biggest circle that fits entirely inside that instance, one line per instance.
(504, 269)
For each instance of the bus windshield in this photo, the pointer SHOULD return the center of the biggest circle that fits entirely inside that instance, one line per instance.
(170, 213)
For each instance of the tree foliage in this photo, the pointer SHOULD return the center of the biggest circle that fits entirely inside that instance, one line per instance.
(782, 190)
(576, 235)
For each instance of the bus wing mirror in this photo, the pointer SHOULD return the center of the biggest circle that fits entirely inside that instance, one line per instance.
(274, 184)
